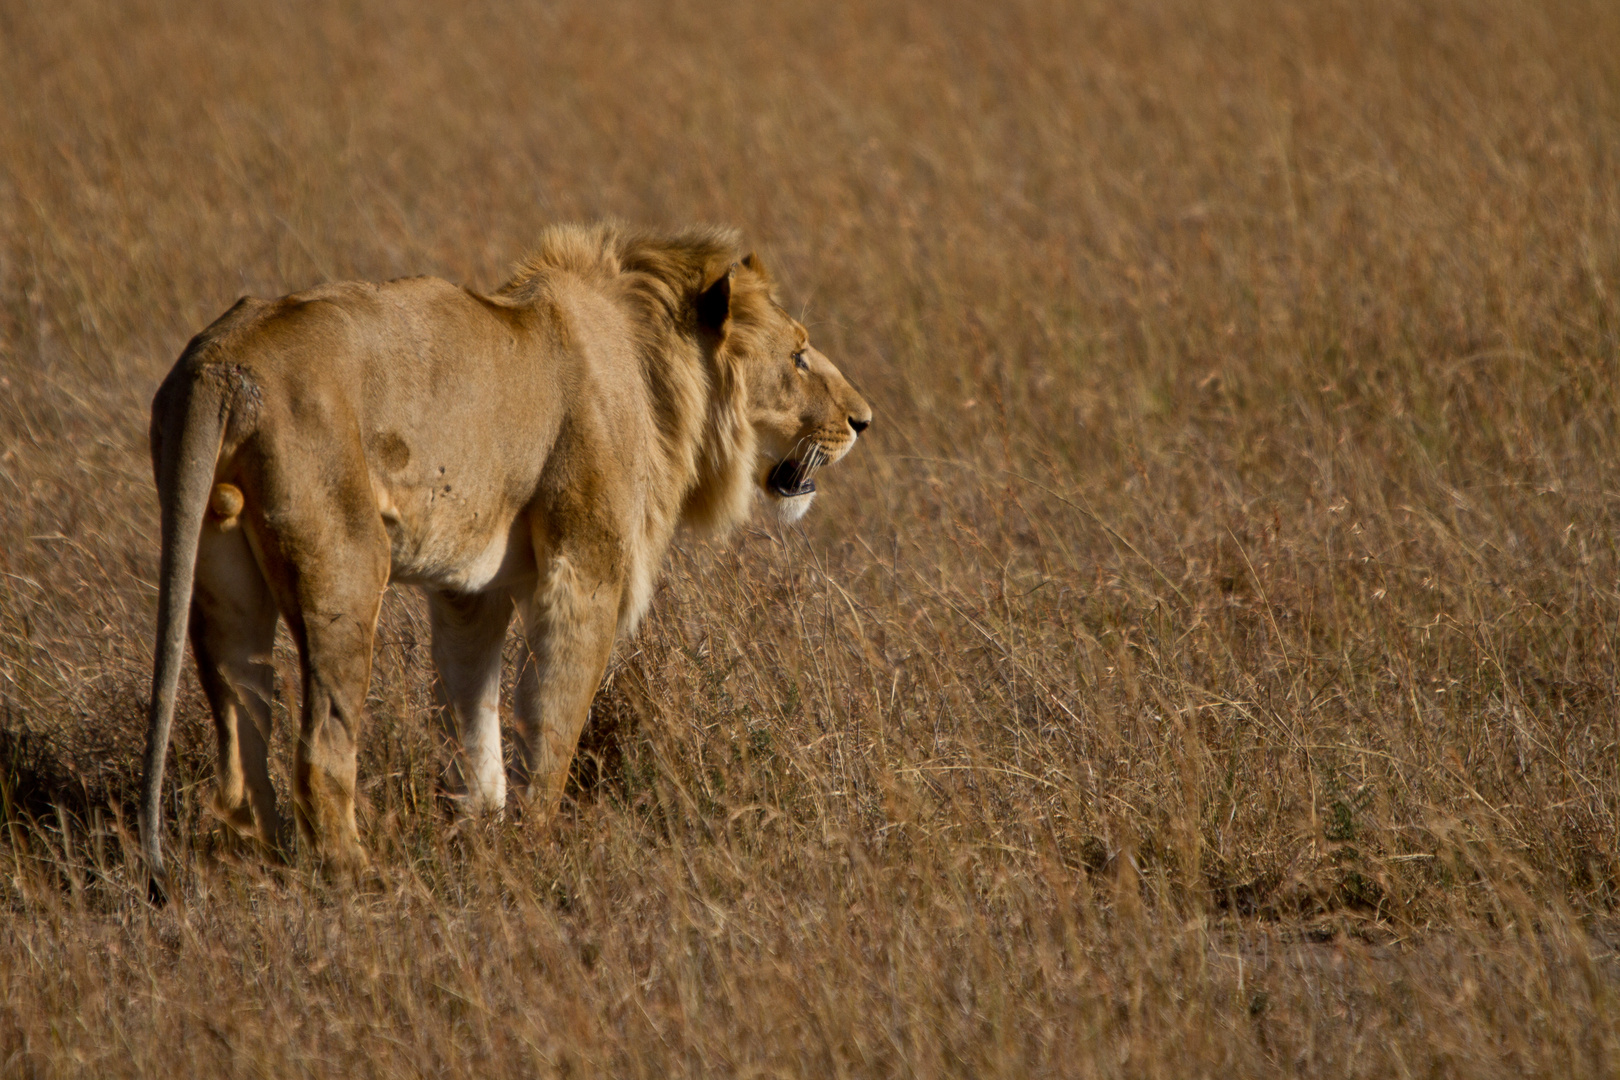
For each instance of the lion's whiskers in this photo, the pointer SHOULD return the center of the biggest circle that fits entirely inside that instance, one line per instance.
(814, 459)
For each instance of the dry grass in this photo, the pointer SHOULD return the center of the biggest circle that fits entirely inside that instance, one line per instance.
(1206, 667)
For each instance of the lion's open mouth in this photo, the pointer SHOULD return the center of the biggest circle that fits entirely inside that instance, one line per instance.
(791, 477)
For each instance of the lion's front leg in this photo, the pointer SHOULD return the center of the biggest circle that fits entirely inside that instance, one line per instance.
(468, 632)
(569, 625)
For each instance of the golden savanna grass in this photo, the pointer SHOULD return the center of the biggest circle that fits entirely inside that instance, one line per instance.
(1206, 665)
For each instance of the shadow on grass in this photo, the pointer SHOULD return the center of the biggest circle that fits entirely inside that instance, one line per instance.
(36, 778)
(601, 764)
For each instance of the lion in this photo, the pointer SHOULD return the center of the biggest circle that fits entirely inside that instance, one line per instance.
(533, 450)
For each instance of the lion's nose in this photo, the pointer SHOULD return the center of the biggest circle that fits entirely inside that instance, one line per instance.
(860, 425)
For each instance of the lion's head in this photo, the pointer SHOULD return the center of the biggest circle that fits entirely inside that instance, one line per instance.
(803, 413)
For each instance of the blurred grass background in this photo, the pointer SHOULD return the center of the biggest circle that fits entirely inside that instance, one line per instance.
(1206, 665)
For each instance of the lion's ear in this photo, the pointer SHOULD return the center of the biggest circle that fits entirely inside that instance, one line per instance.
(753, 262)
(713, 305)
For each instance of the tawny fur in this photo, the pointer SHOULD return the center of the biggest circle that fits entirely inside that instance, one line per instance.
(534, 449)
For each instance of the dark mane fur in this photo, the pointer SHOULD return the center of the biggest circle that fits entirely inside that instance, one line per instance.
(698, 393)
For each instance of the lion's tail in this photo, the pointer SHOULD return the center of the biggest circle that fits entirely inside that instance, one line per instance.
(197, 410)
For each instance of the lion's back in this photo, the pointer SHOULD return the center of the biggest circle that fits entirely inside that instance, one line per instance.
(358, 333)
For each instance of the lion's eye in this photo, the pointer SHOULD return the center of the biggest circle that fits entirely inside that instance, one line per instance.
(800, 362)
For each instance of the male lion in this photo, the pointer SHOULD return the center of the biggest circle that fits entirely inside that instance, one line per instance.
(532, 449)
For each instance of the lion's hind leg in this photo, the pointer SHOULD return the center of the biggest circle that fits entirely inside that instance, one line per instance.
(233, 628)
(337, 603)
(325, 554)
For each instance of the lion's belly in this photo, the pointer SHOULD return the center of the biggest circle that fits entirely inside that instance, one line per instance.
(456, 555)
